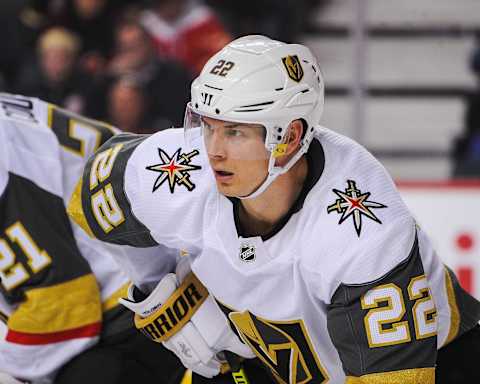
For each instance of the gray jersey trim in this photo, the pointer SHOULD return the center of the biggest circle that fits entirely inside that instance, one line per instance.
(346, 327)
(131, 231)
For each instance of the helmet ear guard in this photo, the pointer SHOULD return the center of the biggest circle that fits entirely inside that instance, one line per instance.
(256, 80)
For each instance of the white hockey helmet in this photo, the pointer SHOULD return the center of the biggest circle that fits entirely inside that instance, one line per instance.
(257, 80)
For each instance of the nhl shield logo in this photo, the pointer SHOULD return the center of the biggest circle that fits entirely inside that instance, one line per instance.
(293, 67)
(247, 252)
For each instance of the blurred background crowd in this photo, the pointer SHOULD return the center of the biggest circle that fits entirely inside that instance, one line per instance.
(402, 78)
(124, 61)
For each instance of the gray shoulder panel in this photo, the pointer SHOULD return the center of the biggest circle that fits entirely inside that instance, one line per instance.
(348, 328)
(128, 230)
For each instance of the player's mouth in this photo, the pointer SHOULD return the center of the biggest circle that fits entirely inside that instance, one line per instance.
(223, 176)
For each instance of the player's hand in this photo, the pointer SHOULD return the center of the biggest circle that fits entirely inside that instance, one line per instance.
(186, 319)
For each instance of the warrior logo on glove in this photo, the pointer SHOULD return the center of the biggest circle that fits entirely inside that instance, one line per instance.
(173, 314)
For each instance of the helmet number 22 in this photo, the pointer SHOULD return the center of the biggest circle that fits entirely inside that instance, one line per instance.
(222, 67)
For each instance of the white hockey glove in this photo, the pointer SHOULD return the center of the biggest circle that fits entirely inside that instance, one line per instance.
(187, 321)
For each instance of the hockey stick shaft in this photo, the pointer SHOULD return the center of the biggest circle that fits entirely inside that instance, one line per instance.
(238, 373)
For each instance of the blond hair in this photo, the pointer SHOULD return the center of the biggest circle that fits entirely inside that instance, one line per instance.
(59, 38)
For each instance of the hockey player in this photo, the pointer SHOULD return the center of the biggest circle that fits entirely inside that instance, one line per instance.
(298, 234)
(59, 289)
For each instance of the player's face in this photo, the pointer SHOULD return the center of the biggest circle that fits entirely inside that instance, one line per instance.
(237, 155)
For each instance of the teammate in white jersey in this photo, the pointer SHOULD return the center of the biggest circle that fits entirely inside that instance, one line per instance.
(297, 232)
(59, 289)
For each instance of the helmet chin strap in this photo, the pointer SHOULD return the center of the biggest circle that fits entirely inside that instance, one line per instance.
(271, 176)
(274, 172)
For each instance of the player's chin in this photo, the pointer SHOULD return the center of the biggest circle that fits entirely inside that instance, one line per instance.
(226, 189)
(233, 191)
(229, 189)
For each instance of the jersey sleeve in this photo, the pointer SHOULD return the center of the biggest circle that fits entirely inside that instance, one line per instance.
(386, 330)
(100, 204)
(146, 190)
(77, 137)
(389, 329)
(50, 301)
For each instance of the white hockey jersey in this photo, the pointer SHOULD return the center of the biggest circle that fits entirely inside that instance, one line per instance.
(59, 288)
(345, 288)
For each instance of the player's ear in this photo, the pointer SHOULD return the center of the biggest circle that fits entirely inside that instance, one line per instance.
(294, 136)
(292, 139)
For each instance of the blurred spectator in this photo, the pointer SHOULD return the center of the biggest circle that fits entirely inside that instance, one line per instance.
(53, 76)
(130, 108)
(186, 31)
(13, 46)
(127, 107)
(92, 21)
(282, 20)
(467, 146)
(166, 83)
(134, 50)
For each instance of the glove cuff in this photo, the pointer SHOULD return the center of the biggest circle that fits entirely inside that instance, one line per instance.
(150, 304)
(169, 318)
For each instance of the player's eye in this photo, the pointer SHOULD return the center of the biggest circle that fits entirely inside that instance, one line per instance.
(234, 132)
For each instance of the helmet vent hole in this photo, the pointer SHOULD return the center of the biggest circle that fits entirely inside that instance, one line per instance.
(279, 138)
(314, 69)
(279, 89)
(305, 90)
(217, 111)
(196, 105)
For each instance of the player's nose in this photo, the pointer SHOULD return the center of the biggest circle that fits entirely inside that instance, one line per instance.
(215, 143)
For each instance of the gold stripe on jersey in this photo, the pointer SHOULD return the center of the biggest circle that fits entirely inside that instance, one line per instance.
(187, 377)
(454, 312)
(72, 123)
(112, 301)
(404, 376)
(60, 307)
(71, 129)
(175, 312)
(75, 209)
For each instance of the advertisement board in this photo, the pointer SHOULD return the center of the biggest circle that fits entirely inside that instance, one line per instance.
(450, 213)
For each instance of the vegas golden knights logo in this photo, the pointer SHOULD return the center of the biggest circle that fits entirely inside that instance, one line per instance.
(283, 346)
(293, 67)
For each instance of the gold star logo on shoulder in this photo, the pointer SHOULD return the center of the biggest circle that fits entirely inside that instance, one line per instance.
(175, 169)
(352, 202)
